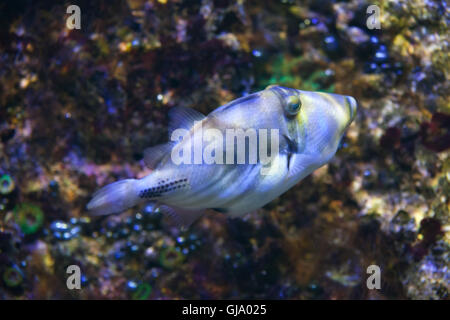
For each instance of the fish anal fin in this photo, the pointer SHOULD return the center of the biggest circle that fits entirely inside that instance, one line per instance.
(183, 218)
(183, 118)
(154, 155)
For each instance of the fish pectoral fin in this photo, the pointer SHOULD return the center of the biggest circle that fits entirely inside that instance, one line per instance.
(183, 218)
(183, 118)
(154, 155)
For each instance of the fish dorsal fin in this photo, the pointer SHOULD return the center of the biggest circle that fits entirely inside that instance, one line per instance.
(154, 155)
(179, 118)
(183, 218)
(246, 99)
(183, 118)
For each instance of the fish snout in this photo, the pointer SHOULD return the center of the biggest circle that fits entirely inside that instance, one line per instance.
(352, 106)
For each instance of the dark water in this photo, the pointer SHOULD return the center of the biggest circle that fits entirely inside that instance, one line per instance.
(78, 107)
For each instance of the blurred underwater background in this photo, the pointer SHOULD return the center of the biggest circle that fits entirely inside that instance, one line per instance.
(78, 107)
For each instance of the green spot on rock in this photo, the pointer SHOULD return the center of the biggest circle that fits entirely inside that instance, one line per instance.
(6, 184)
(142, 292)
(12, 277)
(29, 217)
(171, 257)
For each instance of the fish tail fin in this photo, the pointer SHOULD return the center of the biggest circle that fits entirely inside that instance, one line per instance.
(114, 198)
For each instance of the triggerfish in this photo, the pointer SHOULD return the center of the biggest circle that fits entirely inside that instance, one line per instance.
(236, 159)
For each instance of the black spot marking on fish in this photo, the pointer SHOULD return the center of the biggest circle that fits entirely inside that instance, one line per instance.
(163, 188)
(149, 193)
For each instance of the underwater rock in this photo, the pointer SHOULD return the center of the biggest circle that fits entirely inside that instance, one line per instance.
(435, 135)
(77, 108)
(12, 276)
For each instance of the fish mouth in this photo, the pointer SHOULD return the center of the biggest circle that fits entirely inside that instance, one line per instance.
(352, 106)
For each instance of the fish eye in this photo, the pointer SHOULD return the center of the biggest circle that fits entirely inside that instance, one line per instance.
(293, 105)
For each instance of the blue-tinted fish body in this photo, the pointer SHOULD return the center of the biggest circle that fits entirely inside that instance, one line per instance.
(309, 127)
